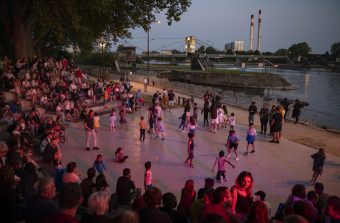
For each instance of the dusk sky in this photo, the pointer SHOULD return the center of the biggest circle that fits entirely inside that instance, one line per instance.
(217, 22)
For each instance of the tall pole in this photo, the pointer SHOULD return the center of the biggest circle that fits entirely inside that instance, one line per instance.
(259, 31)
(102, 60)
(251, 32)
(148, 55)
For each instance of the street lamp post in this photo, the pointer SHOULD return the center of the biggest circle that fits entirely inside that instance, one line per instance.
(148, 51)
(148, 56)
(102, 47)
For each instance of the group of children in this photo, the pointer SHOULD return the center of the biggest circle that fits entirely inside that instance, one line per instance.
(156, 125)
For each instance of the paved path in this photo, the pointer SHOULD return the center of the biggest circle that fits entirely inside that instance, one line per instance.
(275, 167)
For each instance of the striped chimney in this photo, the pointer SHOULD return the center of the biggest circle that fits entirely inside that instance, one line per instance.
(251, 44)
(259, 31)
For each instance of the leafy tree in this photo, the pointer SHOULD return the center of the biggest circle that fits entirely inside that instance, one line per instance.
(120, 48)
(281, 52)
(267, 53)
(250, 52)
(256, 52)
(335, 50)
(201, 49)
(34, 27)
(174, 51)
(300, 49)
(229, 52)
(211, 50)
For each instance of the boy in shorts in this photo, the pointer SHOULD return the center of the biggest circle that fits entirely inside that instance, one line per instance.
(232, 143)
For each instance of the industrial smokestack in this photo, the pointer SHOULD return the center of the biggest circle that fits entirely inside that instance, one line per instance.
(251, 44)
(259, 31)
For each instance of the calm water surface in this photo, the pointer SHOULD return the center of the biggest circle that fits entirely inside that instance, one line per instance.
(320, 88)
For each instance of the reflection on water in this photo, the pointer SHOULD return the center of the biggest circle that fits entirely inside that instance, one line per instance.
(320, 88)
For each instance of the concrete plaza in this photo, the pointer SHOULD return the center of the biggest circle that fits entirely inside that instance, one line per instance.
(276, 168)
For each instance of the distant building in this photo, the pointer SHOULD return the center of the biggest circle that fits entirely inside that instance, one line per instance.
(190, 44)
(236, 45)
(165, 52)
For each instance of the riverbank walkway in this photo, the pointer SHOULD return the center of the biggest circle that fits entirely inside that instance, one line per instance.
(276, 168)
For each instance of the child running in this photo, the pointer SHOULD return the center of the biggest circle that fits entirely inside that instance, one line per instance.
(160, 128)
(232, 143)
(148, 176)
(99, 165)
(191, 147)
(318, 162)
(96, 123)
(119, 155)
(182, 125)
(221, 161)
(112, 120)
(142, 128)
(251, 135)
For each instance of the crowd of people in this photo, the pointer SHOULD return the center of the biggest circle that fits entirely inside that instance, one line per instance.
(62, 89)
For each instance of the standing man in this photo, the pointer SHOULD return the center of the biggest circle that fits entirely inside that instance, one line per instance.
(297, 110)
(90, 131)
(125, 188)
(171, 97)
(285, 104)
(264, 113)
(252, 111)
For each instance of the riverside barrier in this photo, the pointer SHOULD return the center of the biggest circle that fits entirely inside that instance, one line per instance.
(309, 117)
(192, 90)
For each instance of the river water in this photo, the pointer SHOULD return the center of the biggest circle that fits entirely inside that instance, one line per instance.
(320, 88)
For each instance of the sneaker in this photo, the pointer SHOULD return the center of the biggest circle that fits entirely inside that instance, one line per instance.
(95, 148)
(229, 155)
(246, 153)
(156, 137)
(236, 158)
(162, 138)
(183, 130)
(272, 141)
(253, 151)
(191, 166)
(87, 149)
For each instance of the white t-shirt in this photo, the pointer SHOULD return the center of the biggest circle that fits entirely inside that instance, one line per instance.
(232, 120)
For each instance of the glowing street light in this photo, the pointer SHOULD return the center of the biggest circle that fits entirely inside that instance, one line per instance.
(102, 44)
